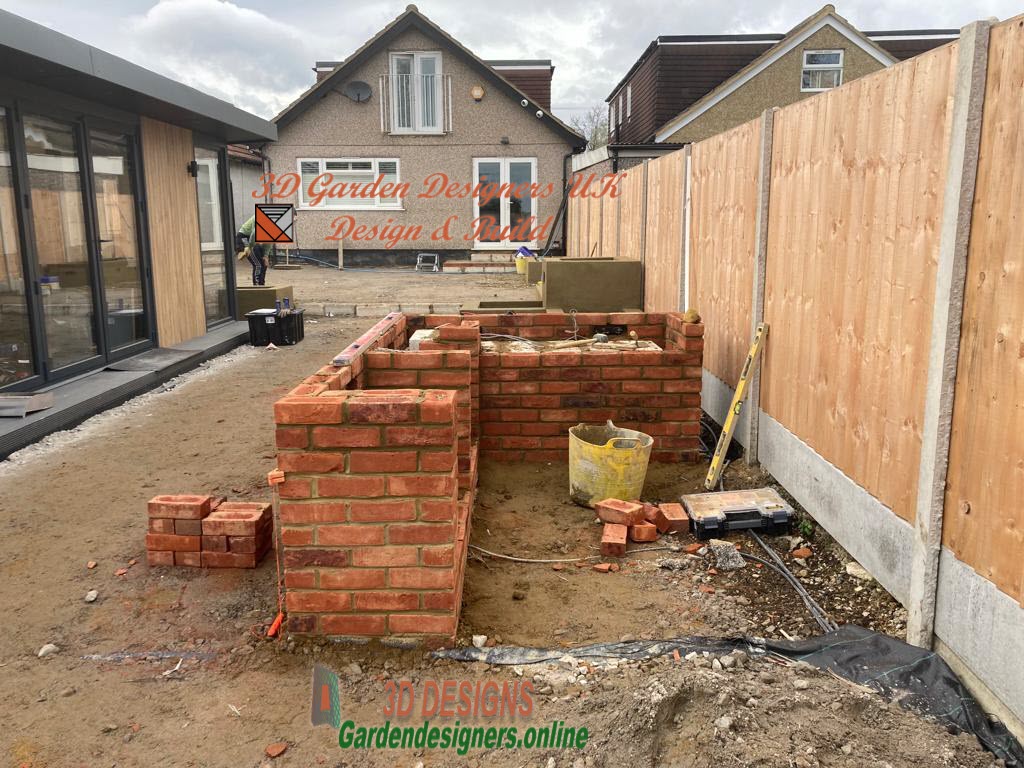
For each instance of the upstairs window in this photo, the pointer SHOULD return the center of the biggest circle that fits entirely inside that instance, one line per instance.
(416, 95)
(629, 101)
(822, 70)
(356, 174)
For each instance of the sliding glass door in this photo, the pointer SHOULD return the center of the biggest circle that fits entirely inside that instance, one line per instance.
(62, 256)
(73, 283)
(113, 174)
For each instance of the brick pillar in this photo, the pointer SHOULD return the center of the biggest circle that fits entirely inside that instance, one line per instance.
(462, 334)
(370, 514)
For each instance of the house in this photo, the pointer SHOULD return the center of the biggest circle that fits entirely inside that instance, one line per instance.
(414, 107)
(115, 211)
(684, 88)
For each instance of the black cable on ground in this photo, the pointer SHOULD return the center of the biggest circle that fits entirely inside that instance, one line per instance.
(816, 610)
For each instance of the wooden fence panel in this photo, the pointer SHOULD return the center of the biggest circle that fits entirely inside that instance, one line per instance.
(723, 229)
(856, 196)
(631, 211)
(572, 227)
(593, 227)
(663, 252)
(609, 227)
(983, 519)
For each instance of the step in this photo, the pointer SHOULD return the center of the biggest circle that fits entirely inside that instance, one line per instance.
(479, 267)
(501, 257)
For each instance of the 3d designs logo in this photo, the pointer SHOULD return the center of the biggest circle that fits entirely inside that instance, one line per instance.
(325, 708)
(275, 223)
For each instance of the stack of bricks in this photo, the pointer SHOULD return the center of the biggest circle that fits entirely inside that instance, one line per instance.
(373, 531)
(208, 532)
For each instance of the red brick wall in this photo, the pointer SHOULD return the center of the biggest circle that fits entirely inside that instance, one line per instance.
(372, 529)
(529, 400)
(379, 451)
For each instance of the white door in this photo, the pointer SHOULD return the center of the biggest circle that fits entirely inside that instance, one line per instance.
(506, 220)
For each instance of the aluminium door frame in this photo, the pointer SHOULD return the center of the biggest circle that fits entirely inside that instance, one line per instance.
(227, 217)
(131, 133)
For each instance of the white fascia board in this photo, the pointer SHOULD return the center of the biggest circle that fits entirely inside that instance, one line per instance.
(828, 21)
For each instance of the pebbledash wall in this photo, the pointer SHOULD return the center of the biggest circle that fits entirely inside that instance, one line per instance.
(380, 452)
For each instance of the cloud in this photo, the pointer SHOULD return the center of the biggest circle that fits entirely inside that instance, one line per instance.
(237, 54)
(258, 54)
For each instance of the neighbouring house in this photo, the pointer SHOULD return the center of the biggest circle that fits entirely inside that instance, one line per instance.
(684, 88)
(115, 210)
(410, 104)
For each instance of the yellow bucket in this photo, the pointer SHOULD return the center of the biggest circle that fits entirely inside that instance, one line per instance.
(606, 462)
(521, 265)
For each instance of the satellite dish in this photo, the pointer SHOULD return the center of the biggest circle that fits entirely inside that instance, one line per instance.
(357, 90)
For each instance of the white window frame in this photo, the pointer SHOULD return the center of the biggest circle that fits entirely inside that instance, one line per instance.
(505, 207)
(810, 67)
(330, 203)
(212, 169)
(417, 113)
(629, 101)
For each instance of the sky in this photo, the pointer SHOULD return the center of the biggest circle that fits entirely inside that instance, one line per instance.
(258, 54)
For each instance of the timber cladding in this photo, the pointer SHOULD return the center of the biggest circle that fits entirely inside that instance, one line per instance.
(173, 232)
(723, 206)
(983, 519)
(857, 178)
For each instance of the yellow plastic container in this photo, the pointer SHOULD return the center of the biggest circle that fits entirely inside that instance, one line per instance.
(607, 462)
(521, 265)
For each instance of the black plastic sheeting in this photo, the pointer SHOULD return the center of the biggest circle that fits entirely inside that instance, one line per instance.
(918, 679)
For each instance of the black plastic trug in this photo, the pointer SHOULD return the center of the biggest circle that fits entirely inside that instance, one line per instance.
(275, 328)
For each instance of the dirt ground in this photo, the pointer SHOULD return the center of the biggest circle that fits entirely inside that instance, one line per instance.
(325, 285)
(168, 667)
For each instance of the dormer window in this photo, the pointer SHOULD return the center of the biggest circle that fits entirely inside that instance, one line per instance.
(822, 70)
(416, 93)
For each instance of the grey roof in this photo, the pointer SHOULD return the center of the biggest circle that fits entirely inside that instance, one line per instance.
(40, 56)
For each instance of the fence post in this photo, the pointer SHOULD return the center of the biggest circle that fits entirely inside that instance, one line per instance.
(764, 182)
(947, 314)
(684, 271)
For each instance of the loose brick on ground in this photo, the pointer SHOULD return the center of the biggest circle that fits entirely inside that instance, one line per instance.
(613, 540)
(672, 518)
(643, 532)
(619, 512)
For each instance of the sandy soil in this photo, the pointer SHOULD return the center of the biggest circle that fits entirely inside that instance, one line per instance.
(109, 696)
(364, 286)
